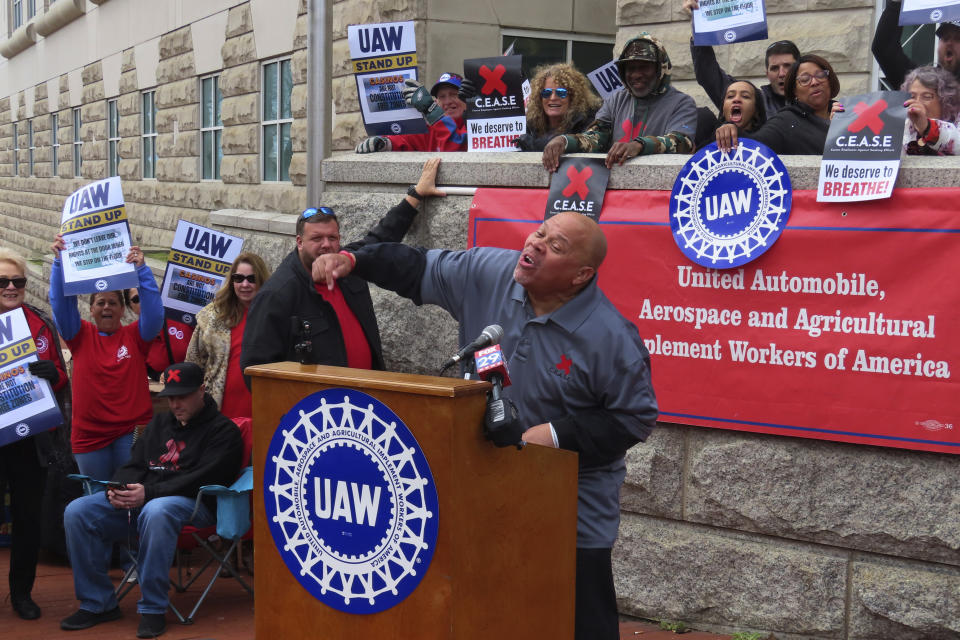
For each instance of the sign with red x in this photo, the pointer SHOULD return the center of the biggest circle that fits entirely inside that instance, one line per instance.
(495, 114)
(861, 157)
(578, 185)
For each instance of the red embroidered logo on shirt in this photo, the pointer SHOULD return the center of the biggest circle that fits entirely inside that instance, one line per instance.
(172, 456)
(564, 364)
(42, 344)
(122, 352)
(630, 131)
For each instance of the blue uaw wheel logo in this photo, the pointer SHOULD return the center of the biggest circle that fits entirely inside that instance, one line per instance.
(730, 35)
(935, 15)
(101, 285)
(727, 209)
(350, 501)
(395, 127)
(23, 429)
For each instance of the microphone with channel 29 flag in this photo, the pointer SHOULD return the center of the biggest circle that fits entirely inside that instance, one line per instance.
(490, 335)
(501, 423)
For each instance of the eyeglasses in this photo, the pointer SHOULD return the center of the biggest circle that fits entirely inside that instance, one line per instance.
(18, 283)
(135, 299)
(560, 91)
(312, 211)
(806, 78)
(239, 277)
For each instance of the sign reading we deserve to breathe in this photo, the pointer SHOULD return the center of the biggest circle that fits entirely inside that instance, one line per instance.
(384, 55)
(199, 262)
(96, 235)
(495, 115)
(27, 405)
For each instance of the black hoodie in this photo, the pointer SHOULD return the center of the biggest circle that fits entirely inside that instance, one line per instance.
(170, 459)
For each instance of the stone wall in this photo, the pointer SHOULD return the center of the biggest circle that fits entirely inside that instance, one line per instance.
(721, 529)
(30, 206)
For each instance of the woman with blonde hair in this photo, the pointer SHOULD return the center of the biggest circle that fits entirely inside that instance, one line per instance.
(216, 341)
(561, 101)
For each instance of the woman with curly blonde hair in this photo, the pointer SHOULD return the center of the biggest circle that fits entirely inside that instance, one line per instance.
(561, 101)
(215, 344)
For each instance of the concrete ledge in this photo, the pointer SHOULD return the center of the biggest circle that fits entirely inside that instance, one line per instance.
(525, 170)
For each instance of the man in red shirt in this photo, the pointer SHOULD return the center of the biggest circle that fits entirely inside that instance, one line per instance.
(293, 319)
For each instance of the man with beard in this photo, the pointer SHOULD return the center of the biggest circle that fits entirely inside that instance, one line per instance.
(894, 63)
(780, 56)
(443, 110)
(644, 117)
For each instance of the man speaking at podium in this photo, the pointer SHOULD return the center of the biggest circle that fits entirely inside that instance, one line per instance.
(580, 372)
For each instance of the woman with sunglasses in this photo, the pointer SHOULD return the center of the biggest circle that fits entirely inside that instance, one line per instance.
(801, 127)
(110, 393)
(215, 344)
(561, 102)
(23, 462)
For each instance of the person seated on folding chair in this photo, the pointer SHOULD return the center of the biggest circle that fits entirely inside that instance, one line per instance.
(151, 497)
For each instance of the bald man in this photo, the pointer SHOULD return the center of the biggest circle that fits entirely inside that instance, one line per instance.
(580, 372)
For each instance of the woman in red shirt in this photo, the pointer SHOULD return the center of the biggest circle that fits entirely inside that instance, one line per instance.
(23, 462)
(216, 341)
(110, 393)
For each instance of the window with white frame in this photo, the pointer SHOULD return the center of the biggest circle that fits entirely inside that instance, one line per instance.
(148, 133)
(16, 151)
(585, 52)
(277, 119)
(211, 126)
(16, 10)
(77, 144)
(30, 146)
(113, 138)
(31, 8)
(55, 144)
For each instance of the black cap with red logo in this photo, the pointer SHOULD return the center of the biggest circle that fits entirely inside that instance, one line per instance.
(180, 379)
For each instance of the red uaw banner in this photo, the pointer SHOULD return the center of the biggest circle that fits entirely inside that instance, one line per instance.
(847, 329)
(861, 157)
(495, 115)
(578, 185)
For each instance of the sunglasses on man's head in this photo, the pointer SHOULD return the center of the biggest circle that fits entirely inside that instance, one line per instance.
(312, 211)
(239, 277)
(560, 91)
(18, 283)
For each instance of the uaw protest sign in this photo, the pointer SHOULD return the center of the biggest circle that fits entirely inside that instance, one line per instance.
(861, 157)
(383, 56)
(96, 235)
(198, 264)
(846, 329)
(27, 404)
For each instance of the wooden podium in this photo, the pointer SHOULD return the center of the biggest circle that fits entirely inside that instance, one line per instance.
(504, 563)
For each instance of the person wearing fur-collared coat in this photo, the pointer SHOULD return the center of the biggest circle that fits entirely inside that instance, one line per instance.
(215, 344)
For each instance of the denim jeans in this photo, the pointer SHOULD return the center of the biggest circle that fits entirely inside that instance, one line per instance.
(92, 525)
(101, 464)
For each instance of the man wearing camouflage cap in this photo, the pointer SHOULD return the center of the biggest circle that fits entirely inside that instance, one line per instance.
(644, 117)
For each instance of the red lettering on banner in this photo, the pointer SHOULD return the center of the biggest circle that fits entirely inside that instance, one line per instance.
(828, 312)
(851, 189)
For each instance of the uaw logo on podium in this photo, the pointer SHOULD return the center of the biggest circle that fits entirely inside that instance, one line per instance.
(728, 209)
(350, 501)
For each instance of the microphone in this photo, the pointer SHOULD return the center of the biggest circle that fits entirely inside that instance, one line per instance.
(492, 367)
(501, 422)
(490, 335)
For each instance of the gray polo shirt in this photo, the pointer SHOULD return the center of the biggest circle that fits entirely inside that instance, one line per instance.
(583, 356)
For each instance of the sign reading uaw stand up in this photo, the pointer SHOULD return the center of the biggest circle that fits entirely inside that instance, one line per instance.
(350, 501)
